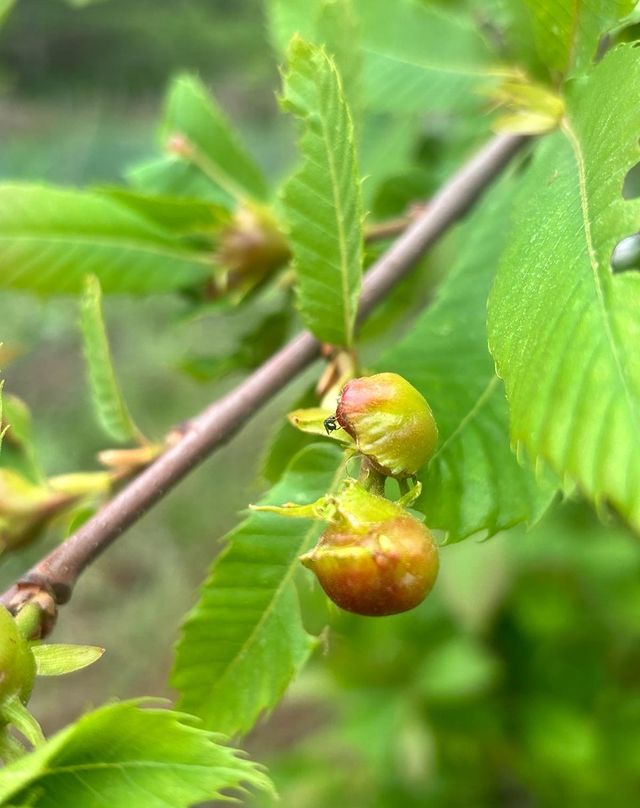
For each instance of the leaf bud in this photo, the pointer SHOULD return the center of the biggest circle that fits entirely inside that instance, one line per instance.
(17, 663)
(27, 509)
(250, 248)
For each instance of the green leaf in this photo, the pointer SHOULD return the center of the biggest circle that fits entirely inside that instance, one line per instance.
(329, 23)
(107, 398)
(56, 659)
(174, 176)
(567, 32)
(5, 8)
(122, 755)
(244, 641)
(564, 329)
(473, 483)
(190, 112)
(420, 58)
(322, 200)
(255, 347)
(286, 441)
(289, 18)
(338, 31)
(18, 450)
(50, 239)
(387, 145)
(176, 214)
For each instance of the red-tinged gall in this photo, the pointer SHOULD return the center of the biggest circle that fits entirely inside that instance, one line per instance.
(387, 568)
(390, 421)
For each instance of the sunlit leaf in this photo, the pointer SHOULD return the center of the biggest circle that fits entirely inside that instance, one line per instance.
(564, 329)
(18, 449)
(567, 32)
(124, 755)
(56, 659)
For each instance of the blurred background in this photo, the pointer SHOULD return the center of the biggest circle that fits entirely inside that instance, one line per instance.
(515, 684)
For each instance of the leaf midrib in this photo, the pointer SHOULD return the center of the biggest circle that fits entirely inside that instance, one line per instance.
(478, 404)
(110, 243)
(469, 72)
(342, 245)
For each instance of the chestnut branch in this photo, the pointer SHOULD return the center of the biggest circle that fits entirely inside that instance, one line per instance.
(50, 582)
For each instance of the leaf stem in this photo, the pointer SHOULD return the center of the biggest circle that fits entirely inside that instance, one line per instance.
(390, 228)
(370, 478)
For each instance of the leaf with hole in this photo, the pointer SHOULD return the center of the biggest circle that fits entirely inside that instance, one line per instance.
(567, 32)
(566, 344)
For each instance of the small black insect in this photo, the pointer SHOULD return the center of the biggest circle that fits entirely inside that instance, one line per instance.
(330, 424)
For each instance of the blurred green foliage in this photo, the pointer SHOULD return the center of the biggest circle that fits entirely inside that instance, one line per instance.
(81, 88)
(516, 684)
(131, 48)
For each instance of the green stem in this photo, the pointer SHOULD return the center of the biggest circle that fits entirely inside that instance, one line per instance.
(371, 479)
(10, 748)
(409, 494)
(14, 711)
(28, 620)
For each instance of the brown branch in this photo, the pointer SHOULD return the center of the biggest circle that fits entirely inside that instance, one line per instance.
(57, 573)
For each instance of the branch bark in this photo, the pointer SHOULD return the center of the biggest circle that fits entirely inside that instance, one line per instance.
(56, 574)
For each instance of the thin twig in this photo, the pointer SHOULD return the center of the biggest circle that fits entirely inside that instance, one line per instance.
(387, 229)
(57, 573)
